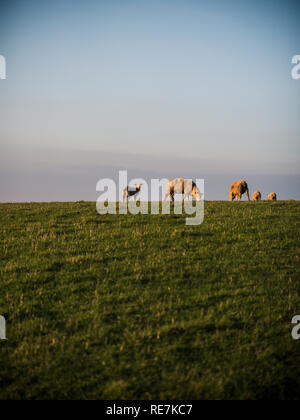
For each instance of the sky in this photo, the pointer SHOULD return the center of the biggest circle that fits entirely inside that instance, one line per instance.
(161, 88)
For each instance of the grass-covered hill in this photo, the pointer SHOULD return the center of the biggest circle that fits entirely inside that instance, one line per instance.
(142, 307)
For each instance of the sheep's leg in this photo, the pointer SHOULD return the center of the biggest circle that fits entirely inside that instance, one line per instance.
(247, 192)
(185, 197)
(165, 196)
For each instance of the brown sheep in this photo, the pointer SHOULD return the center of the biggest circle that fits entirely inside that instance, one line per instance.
(127, 192)
(272, 196)
(181, 186)
(237, 189)
(256, 196)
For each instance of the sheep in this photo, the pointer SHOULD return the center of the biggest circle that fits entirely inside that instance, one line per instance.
(182, 186)
(256, 196)
(237, 189)
(272, 196)
(128, 192)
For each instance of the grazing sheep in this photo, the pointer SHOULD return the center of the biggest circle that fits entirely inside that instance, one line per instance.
(272, 196)
(127, 192)
(256, 196)
(181, 186)
(2, 328)
(237, 189)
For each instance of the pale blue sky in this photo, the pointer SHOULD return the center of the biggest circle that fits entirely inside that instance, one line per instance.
(175, 80)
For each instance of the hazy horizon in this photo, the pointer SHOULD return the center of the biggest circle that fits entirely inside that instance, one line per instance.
(66, 175)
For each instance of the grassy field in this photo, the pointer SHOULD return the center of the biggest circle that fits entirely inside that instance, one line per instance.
(142, 307)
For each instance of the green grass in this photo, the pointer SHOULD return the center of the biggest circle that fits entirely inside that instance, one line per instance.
(145, 307)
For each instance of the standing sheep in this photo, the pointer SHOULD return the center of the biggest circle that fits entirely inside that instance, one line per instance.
(237, 189)
(182, 186)
(256, 196)
(131, 192)
(272, 196)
